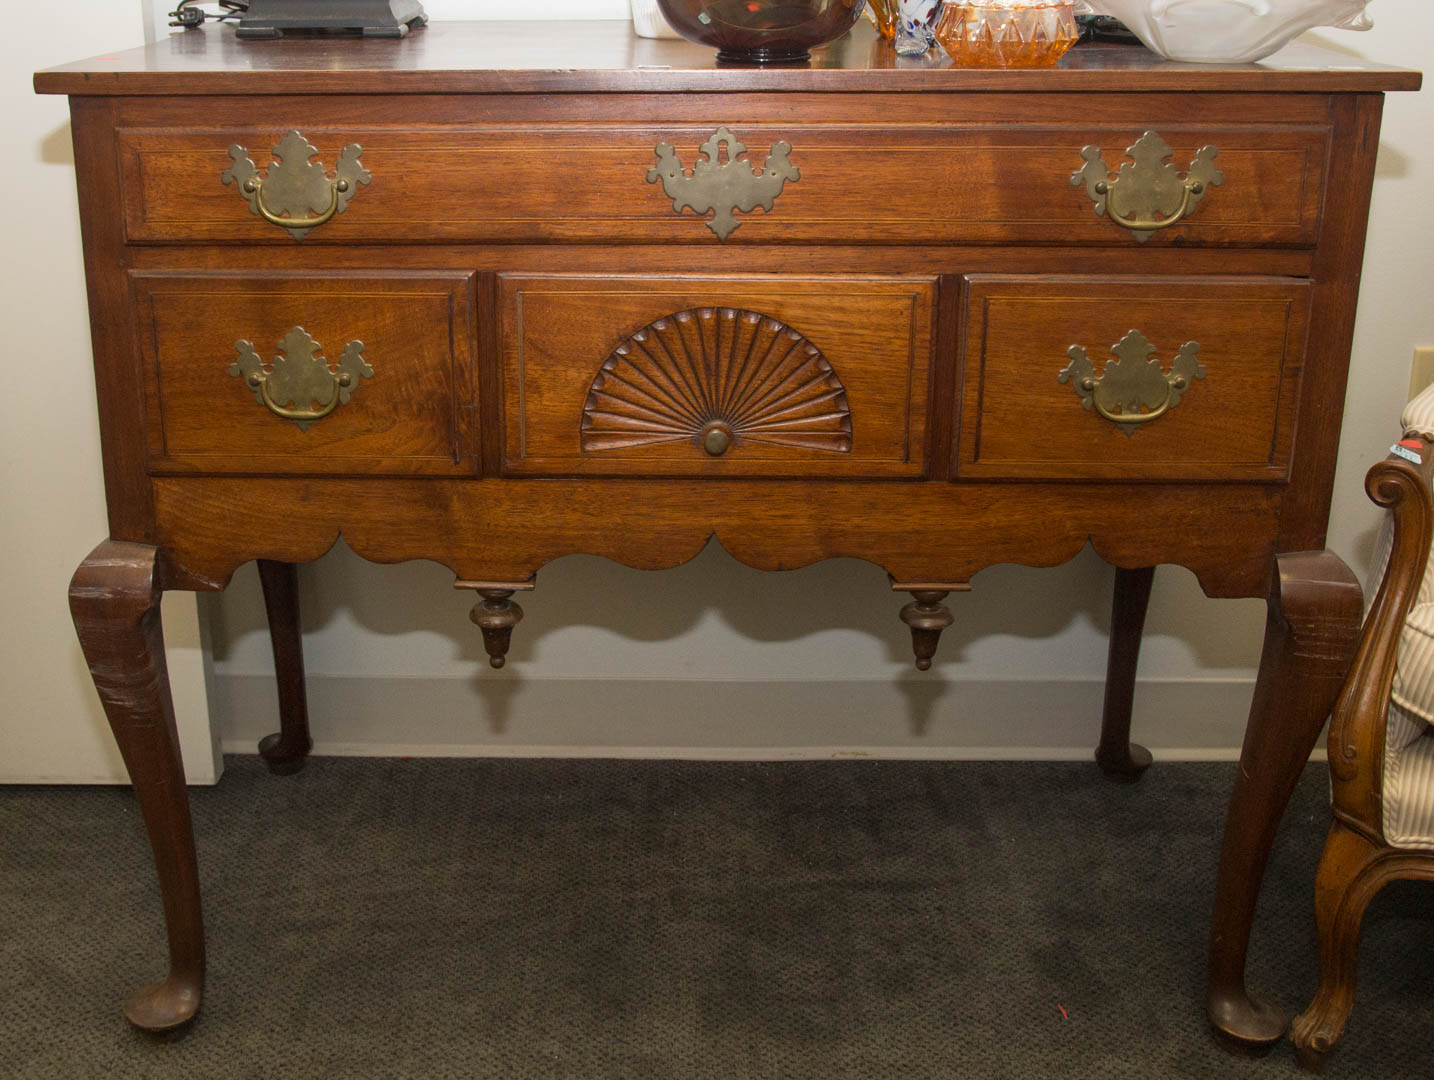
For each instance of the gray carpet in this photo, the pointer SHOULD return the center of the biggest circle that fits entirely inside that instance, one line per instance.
(675, 921)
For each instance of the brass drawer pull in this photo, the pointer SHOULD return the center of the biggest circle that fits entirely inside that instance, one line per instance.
(1133, 381)
(1150, 194)
(295, 185)
(300, 386)
(723, 186)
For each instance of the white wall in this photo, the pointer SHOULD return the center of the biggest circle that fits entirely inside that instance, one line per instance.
(51, 494)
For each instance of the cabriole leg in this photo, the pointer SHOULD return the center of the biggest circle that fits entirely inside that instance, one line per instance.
(284, 751)
(1310, 636)
(114, 599)
(1120, 759)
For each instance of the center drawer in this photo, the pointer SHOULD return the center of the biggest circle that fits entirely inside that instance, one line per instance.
(715, 376)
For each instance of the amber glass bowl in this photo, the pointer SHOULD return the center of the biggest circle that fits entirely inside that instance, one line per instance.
(762, 31)
(1015, 34)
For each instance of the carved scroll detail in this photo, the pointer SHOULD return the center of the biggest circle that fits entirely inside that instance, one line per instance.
(718, 377)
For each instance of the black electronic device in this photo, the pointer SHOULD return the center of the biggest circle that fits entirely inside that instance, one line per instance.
(371, 18)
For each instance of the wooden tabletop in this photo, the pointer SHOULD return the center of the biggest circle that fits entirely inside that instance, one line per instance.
(558, 57)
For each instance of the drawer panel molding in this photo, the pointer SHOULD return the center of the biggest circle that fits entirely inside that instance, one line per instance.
(301, 344)
(1230, 355)
(859, 184)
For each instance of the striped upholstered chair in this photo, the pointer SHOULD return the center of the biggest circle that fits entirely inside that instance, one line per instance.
(1381, 740)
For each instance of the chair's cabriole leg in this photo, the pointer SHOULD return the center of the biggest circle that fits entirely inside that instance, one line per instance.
(1120, 759)
(114, 599)
(1343, 888)
(1358, 860)
(284, 751)
(1310, 636)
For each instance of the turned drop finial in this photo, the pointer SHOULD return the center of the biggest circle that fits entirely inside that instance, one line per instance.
(927, 616)
(496, 614)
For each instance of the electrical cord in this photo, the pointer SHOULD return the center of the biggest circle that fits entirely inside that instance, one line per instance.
(189, 15)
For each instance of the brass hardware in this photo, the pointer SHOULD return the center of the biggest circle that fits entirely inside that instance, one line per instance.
(723, 186)
(1133, 381)
(300, 386)
(717, 439)
(296, 186)
(1150, 194)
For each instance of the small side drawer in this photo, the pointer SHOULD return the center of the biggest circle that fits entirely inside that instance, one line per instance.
(1230, 412)
(719, 376)
(411, 410)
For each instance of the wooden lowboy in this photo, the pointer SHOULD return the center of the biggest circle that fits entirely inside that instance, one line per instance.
(490, 298)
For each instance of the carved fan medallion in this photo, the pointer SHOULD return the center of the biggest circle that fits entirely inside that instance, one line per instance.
(718, 378)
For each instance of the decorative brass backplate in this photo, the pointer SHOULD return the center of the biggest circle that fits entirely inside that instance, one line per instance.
(723, 186)
(295, 186)
(300, 386)
(1133, 382)
(717, 377)
(1148, 193)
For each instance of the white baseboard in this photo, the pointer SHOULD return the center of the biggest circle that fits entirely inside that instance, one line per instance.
(916, 717)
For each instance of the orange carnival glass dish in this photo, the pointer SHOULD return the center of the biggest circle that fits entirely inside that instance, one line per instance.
(1013, 34)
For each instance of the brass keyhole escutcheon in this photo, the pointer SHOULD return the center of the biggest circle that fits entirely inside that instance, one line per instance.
(717, 439)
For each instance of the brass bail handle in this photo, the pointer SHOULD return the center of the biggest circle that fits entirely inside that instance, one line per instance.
(1148, 193)
(304, 388)
(255, 187)
(1131, 382)
(294, 185)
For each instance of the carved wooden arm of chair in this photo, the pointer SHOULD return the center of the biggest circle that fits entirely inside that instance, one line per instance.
(1401, 484)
